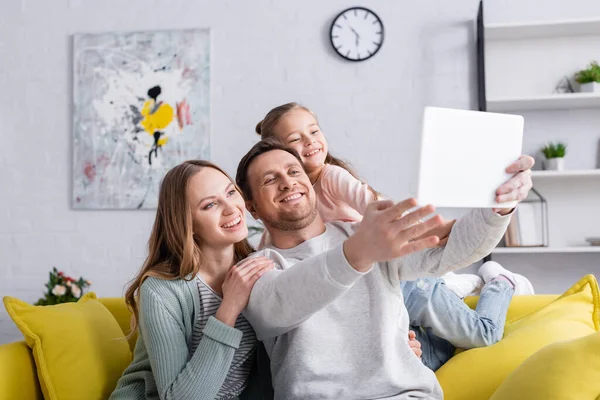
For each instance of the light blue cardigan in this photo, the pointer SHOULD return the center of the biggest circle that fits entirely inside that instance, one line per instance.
(161, 366)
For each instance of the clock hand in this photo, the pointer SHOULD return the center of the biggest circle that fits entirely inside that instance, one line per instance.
(357, 35)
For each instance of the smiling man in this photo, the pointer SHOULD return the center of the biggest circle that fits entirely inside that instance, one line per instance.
(331, 315)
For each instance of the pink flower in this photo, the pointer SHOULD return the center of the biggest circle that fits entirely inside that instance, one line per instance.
(59, 290)
(76, 291)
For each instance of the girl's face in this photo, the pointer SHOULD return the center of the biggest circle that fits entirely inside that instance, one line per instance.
(217, 209)
(299, 130)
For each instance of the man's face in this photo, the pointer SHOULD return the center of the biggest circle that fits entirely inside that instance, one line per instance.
(282, 195)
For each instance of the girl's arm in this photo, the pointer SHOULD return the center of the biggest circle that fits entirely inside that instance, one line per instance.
(343, 187)
(177, 376)
(340, 184)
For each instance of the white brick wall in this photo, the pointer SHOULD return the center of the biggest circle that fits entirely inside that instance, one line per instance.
(264, 53)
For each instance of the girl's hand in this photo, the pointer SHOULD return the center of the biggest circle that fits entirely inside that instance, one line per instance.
(414, 344)
(442, 232)
(237, 287)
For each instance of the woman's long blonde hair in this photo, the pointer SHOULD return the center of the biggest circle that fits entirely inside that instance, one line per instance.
(265, 128)
(173, 251)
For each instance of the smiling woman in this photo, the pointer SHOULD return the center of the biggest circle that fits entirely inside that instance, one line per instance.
(188, 296)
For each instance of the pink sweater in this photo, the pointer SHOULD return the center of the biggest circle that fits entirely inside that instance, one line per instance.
(340, 196)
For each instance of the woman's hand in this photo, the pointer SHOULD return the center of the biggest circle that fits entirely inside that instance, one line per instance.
(237, 287)
(414, 344)
(516, 188)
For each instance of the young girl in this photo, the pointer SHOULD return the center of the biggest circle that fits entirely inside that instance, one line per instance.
(430, 303)
(188, 296)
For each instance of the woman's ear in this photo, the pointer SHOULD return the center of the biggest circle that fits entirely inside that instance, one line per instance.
(252, 210)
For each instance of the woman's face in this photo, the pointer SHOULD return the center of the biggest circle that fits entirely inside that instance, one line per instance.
(299, 130)
(217, 209)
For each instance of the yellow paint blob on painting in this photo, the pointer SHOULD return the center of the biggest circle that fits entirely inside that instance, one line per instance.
(157, 120)
(162, 141)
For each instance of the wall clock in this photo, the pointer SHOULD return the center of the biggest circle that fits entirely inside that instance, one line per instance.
(357, 34)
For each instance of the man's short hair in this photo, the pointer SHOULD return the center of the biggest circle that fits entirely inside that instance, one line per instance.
(262, 147)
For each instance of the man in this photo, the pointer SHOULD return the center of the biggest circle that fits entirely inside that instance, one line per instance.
(332, 314)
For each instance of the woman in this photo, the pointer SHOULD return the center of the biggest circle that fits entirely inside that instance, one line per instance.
(188, 297)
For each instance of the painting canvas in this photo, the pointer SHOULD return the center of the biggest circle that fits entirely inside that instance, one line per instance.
(141, 106)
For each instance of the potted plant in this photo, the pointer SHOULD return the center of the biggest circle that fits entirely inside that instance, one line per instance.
(589, 78)
(555, 156)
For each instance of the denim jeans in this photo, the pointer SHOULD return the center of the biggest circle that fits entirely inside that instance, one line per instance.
(442, 321)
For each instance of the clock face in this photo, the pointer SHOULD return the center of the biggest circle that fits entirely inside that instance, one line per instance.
(357, 34)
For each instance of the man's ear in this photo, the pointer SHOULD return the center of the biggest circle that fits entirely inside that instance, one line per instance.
(251, 209)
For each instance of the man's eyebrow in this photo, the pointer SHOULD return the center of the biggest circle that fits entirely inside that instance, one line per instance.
(286, 166)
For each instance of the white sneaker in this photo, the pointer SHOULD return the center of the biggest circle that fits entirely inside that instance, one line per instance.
(524, 286)
(463, 285)
(490, 270)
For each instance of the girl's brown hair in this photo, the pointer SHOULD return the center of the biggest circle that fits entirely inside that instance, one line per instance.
(265, 129)
(173, 251)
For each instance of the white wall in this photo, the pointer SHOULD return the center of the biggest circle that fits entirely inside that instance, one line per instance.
(264, 53)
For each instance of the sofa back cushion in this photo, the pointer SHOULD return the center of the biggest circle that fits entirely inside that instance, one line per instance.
(118, 308)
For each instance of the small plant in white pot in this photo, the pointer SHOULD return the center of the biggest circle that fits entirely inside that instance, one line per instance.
(555, 156)
(589, 79)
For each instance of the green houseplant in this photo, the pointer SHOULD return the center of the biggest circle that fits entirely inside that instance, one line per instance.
(555, 156)
(589, 78)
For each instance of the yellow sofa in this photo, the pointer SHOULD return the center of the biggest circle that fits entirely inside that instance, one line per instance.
(18, 378)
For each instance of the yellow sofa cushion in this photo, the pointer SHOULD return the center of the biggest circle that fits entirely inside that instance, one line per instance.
(79, 349)
(477, 373)
(563, 370)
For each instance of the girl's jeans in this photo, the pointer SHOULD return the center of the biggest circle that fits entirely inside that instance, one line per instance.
(442, 321)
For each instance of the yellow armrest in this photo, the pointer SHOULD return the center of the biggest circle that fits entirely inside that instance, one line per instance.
(18, 376)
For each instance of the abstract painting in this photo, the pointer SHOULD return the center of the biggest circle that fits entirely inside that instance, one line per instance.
(141, 106)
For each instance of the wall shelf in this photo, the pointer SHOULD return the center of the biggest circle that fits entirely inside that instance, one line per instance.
(548, 250)
(566, 174)
(509, 80)
(549, 102)
(541, 30)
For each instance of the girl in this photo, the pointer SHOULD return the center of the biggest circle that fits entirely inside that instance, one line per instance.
(188, 296)
(431, 304)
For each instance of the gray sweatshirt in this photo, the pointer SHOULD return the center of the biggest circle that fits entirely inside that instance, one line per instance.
(334, 333)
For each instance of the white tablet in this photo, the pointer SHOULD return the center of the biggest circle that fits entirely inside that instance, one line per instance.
(464, 155)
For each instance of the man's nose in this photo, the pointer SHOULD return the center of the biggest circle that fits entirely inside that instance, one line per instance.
(287, 183)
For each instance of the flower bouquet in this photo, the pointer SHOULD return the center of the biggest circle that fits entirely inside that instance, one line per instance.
(62, 289)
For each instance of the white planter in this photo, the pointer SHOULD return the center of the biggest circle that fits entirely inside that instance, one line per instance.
(591, 87)
(554, 164)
